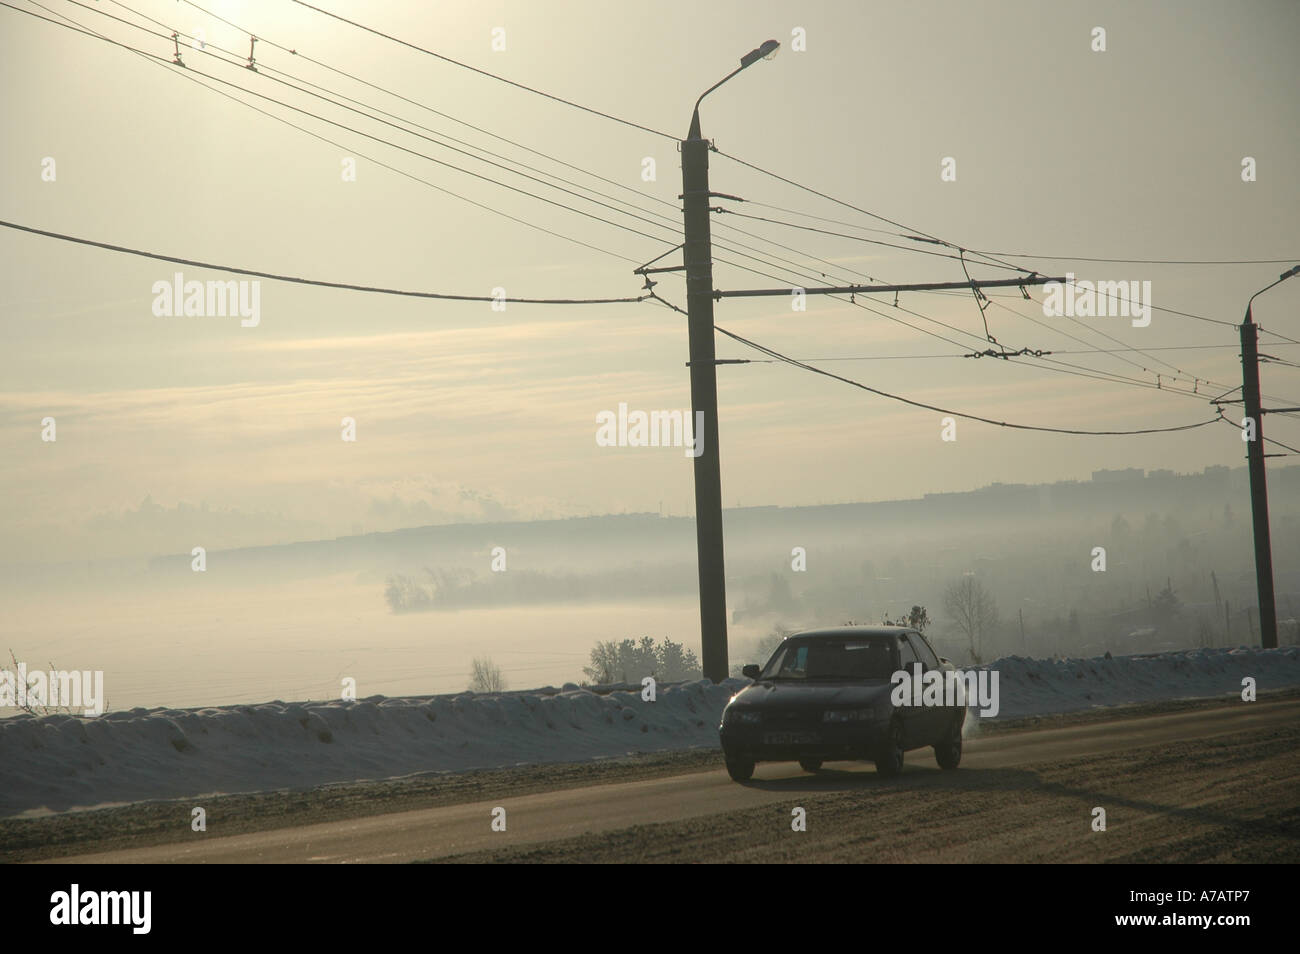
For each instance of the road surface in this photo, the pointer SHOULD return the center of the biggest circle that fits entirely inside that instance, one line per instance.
(1214, 784)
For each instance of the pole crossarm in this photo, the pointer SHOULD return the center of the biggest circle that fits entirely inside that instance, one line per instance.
(720, 294)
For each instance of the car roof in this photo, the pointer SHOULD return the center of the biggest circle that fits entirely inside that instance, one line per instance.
(839, 632)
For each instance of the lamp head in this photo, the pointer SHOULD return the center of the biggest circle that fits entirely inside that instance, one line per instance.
(765, 52)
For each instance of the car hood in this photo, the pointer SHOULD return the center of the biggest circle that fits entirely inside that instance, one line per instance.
(762, 695)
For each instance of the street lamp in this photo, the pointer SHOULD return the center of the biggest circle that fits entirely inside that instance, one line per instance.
(767, 51)
(697, 257)
(1258, 477)
(1280, 279)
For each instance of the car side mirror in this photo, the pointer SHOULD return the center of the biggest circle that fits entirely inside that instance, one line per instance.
(751, 671)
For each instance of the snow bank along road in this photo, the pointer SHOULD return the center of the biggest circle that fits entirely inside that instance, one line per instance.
(61, 762)
(1208, 784)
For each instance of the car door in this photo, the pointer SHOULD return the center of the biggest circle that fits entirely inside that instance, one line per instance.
(932, 720)
(917, 724)
(959, 701)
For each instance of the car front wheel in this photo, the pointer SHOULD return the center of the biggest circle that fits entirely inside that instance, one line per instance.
(890, 760)
(810, 765)
(948, 752)
(740, 770)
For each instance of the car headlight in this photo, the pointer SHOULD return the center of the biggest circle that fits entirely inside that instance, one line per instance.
(847, 715)
(742, 717)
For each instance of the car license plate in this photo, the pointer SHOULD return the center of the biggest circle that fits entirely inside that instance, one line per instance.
(790, 738)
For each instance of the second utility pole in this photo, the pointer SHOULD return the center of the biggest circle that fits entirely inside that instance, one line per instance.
(1255, 458)
(697, 255)
(1258, 483)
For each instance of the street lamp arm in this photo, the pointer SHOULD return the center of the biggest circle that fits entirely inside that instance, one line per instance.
(715, 86)
(695, 113)
(1251, 301)
(1281, 278)
(766, 51)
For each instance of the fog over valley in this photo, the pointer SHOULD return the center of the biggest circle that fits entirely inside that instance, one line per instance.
(406, 612)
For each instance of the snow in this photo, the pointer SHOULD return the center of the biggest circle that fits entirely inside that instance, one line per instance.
(1040, 686)
(61, 762)
(57, 763)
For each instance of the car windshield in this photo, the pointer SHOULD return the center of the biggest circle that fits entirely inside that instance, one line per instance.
(847, 658)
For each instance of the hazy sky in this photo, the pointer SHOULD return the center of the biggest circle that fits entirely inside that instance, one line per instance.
(467, 413)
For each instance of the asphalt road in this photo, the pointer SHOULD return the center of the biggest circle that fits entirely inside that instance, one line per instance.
(1192, 752)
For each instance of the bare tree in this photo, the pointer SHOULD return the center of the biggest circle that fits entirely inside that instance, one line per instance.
(975, 611)
(41, 707)
(486, 677)
(604, 668)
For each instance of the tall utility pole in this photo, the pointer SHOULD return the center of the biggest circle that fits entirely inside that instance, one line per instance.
(1258, 477)
(1258, 482)
(697, 256)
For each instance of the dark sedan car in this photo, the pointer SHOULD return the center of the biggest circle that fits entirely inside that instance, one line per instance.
(825, 695)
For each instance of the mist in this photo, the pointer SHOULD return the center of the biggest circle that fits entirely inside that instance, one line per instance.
(1121, 563)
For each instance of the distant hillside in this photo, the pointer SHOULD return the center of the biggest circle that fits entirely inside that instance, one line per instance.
(585, 544)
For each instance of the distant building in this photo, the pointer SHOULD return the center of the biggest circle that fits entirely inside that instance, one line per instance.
(1115, 476)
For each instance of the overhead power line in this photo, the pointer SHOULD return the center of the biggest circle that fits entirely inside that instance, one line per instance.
(1105, 376)
(916, 357)
(192, 76)
(264, 69)
(828, 198)
(857, 238)
(487, 132)
(822, 218)
(204, 48)
(1048, 365)
(1265, 331)
(1269, 440)
(481, 72)
(930, 407)
(1142, 261)
(314, 281)
(756, 168)
(161, 61)
(1121, 355)
(803, 365)
(1060, 258)
(1037, 359)
(1058, 367)
(433, 139)
(931, 238)
(926, 237)
(1168, 311)
(297, 53)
